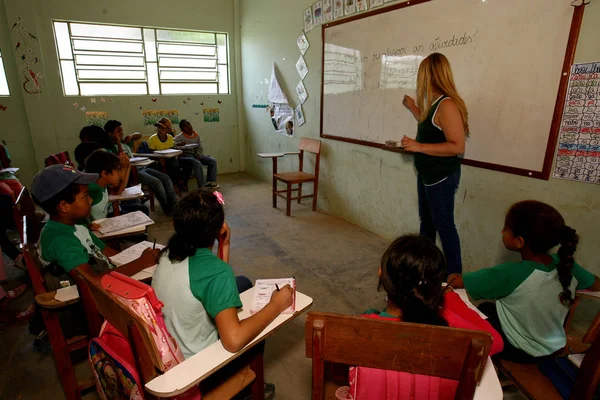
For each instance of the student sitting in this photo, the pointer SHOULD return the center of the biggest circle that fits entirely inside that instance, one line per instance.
(532, 296)
(62, 192)
(160, 183)
(189, 136)
(162, 140)
(200, 291)
(411, 273)
(108, 168)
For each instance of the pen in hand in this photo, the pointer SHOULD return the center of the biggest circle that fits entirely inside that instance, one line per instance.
(277, 287)
(154, 245)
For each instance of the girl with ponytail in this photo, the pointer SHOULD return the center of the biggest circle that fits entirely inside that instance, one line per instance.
(411, 274)
(532, 296)
(199, 291)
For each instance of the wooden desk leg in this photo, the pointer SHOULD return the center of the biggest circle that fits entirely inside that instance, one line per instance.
(116, 210)
(288, 206)
(274, 182)
(299, 193)
(258, 387)
(163, 164)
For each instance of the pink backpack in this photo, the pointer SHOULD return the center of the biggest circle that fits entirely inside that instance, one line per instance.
(110, 354)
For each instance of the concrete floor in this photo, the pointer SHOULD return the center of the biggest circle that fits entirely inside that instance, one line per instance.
(333, 261)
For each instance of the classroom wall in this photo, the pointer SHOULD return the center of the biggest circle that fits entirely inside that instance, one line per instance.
(53, 121)
(13, 121)
(374, 188)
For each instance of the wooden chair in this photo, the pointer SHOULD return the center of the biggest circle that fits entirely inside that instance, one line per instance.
(62, 347)
(58, 158)
(298, 177)
(149, 363)
(535, 385)
(25, 207)
(418, 349)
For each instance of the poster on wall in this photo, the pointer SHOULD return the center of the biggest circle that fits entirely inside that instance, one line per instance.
(282, 118)
(317, 13)
(299, 116)
(350, 7)
(301, 92)
(302, 42)
(301, 67)
(211, 115)
(338, 9)
(308, 19)
(327, 10)
(151, 117)
(376, 3)
(361, 5)
(28, 56)
(96, 118)
(578, 155)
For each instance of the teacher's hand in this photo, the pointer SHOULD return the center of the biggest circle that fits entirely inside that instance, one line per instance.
(409, 102)
(411, 145)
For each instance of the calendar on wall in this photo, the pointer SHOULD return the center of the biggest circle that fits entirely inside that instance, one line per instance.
(578, 156)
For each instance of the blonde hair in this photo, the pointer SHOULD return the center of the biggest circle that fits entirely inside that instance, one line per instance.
(435, 74)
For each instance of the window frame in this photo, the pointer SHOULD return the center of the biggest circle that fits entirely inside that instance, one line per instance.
(144, 55)
(3, 77)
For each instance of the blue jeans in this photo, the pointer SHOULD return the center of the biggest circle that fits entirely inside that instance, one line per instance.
(161, 185)
(189, 164)
(436, 210)
(211, 165)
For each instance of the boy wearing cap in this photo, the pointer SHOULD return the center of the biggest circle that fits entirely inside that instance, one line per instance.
(62, 192)
(163, 140)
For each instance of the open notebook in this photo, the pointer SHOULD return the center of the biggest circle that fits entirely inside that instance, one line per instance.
(264, 288)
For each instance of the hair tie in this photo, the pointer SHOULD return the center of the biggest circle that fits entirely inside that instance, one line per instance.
(219, 197)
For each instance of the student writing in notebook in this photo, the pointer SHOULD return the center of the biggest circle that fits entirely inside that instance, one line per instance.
(62, 192)
(199, 291)
(411, 273)
(533, 296)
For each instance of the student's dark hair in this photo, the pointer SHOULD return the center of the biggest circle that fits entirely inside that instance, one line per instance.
(412, 272)
(96, 134)
(83, 151)
(111, 125)
(68, 194)
(182, 122)
(100, 161)
(197, 219)
(542, 227)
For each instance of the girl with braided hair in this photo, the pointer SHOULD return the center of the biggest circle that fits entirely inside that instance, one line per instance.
(532, 296)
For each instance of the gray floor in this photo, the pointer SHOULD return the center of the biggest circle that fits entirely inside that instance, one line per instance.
(333, 261)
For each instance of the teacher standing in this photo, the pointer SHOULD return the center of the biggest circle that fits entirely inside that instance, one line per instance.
(443, 126)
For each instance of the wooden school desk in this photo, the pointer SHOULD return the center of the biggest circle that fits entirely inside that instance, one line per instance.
(160, 157)
(200, 366)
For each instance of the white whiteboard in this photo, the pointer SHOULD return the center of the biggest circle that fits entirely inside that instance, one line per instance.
(507, 58)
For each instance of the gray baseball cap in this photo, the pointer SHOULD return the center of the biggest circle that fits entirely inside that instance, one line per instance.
(54, 179)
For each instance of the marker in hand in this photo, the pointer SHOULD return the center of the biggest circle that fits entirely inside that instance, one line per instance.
(154, 245)
(277, 287)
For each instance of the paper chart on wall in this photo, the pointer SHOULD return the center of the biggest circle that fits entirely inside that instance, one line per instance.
(299, 116)
(327, 10)
(578, 155)
(302, 43)
(301, 91)
(301, 67)
(308, 19)
(350, 7)
(283, 119)
(276, 94)
(317, 13)
(361, 5)
(338, 9)
(376, 3)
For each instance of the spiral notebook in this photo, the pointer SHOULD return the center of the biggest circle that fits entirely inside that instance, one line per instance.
(264, 288)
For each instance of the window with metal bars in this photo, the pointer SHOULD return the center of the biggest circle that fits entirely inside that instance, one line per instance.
(98, 59)
(3, 82)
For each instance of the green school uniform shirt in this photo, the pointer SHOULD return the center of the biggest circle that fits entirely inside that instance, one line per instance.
(528, 303)
(100, 204)
(69, 246)
(194, 291)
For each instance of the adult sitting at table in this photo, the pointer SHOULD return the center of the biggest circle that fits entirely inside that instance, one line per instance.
(159, 182)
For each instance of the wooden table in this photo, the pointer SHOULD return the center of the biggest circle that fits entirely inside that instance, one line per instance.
(200, 366)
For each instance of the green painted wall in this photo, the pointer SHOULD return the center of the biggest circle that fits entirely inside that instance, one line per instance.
(53, 123)
(377, 189)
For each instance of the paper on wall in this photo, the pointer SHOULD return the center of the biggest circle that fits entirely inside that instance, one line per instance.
(276, 94)
(302, 42)
(350, 7)
(282, 117)
(301, 91)
(299, 116)
(376, 3)
(301, 67)
(308, 19)
(338, 9)
(327, 10)
(361, 5)
(318, 13)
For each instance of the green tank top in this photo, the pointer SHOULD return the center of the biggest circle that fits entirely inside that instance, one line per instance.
(432, 169)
